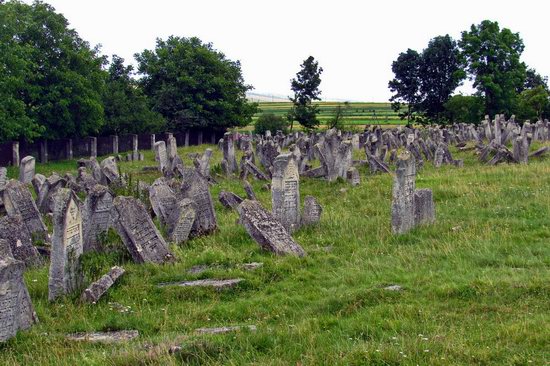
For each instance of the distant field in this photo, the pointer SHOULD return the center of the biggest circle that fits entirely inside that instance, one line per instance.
(358, 114)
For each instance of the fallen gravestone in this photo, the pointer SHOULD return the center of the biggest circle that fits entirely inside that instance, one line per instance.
(109, 169)
(216, 284)
(266, 230)
(181, 221)
(97, 289)
(139, 234)
(16, 310)
(221, 330)
(67, 246)
(229, 199)
(104, 337)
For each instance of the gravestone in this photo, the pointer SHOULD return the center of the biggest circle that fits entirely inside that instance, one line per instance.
(97, 216)
(37, 182)
(203, 163)
(285, 192)
(353, 176)
(228, 149)
(521, 149)
(266, 230)
(229, 199)
(424, 210)
(403, 194)
(26, 169)
(18, 202)
(171, 149)
(335, 155)
(181, 221)
(160, 155)
(163, 199)
(49, 189)
(249, 190)
(312, 211)
(139, 234)
(195, 187)
(97, 289)
(109, 169)
(3, 177)
(16, 310)
(67, 245)
(16, 234)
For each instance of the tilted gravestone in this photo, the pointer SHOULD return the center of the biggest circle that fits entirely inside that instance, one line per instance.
(312, 211)
(335, 155)
(48, 191)
(109, 169)
(181, 221)
(285, 192)
(26, 169)
(403, 194)
(139, 234)
(521, 149)
(266, 230)
(38, 182)
(67, 246)
(249, 191)
(163, 199)
(97, 289)
(16, 310)
(229, 199)
(228, 148)
(18, 202)
(203, 163)
(195, 187)
(16, 234)
(160, 155)
(97, 216)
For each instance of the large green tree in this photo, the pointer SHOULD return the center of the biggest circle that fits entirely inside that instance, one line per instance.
(51, 74)
(493, 59)
(406, 83)
(306, 90)
(126, 107)
(193, 85)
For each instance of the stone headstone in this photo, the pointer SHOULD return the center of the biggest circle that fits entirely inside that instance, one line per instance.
(160, 155)
(424, 209)
(38, 182)
(48, 191)
(266, 230)
(67, 245)
(171, 148)
(163, 199)
(353, 176)
(249, 190)
(139, 234)
(216, 284)
(335, 155)
(109, 169)
(18, 202)
(285, 192)
(181, 221)
(312, 211)
(16, 310)
(403, 194)
(229, 199)
(228, 149)
(97, 217)
(3, 177)
(97, 289)
(26, 169)
(195, 187)
(16, 234)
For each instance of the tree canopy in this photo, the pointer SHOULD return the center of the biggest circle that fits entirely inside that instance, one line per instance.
(306, 90)
(193, 85)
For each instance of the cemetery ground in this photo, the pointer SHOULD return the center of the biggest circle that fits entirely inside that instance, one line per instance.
(474, 288)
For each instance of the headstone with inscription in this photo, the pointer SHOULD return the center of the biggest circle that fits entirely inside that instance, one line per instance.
(195, 187)
(424, 209)
(181, 221)
(312, 211)
(67, 246)
(403, 194)
(163, 199)
(160, 155)
(26, 169)
(16, 310)
(16, 234)
(285, 192)
(228, 149)
(139, 234)
(266, 230)
(97, 216)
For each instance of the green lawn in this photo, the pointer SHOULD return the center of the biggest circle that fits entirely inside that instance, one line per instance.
(476, 284)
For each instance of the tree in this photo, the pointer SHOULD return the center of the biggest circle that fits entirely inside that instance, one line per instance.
(340, 112)
(441, 73)
(53, 81)
(493, 59)
(306, 89)
(534, 79)
(126, 107)
(464, 109)
(406, 83)
(270, 122)
(193, 85)
(533, 102)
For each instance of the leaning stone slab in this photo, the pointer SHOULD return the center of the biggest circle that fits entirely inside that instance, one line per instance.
(266, 230)
(104, 337)
(255, 171)
(139, 234)
(216, 284)
(15, 233)
(229, 199)
(181, 221)
(221, 330)
(195, 187)
(249, 191)
(16, 310)
(109, 169)
(26, 169)
(424, 208)
(96, 216)
(97, 289)
(312, 211)
(67, 245)
(402, 218)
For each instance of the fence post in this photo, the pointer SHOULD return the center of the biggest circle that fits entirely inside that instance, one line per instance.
(69, 149)
(15, 153)
(153, 138)
(213, 138)
(187, 138)
(44, 151)
(114, 144)
(200, 138)
(93, 146)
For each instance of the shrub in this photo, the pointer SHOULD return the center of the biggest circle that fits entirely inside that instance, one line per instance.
(270, 122)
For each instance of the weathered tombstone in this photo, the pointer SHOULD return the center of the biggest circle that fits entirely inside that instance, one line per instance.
(249, 191)
(353, 176)
(335, 155)
(266, 230)
(37, 183)
(195, 187)
(171, 148)
(424, 210)
(3, 177)
(16, 310)
(285, 192)
(163, 199)
(26, 169)
(160, 155)
(97, 289)
(229, 199)
(521, 149)
(181, 221)
(46, 195)
(139, 234)
(403, 194)
(97, 216)
(65, 266)
(16, 234)
(312, 211)
(228, 149)
(109, 169)
(18, 201)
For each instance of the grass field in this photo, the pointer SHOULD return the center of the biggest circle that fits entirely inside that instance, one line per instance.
(359, 114)
(476, 284)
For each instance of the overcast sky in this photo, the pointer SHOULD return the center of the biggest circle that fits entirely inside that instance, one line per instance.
(354, 41)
